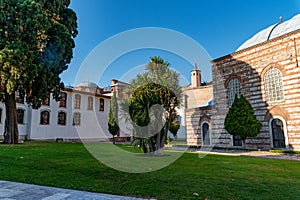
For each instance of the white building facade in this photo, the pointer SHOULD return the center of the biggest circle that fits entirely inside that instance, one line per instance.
(81, 114)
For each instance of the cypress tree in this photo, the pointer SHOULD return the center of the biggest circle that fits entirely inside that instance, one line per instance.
(113, 126)
(241, 120)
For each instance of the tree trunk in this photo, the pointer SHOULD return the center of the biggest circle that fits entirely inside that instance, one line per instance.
(11, 133)
(158, 147)
(114, 141)
(151, 144)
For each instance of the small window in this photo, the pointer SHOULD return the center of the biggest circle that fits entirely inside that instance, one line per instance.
(237, 141)
(19, 98)
(273, 85)
(63, 100)
(90, 103)
(77, 101)
(0, 115)
(76, 119)
(20, 116)
(62, 117)
(46, 102)
(205, 134)
(101, 105)
(234, 89)
(45, 116)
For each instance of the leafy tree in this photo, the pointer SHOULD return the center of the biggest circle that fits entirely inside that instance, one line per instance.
(241, 120)
(174, 126)
(36, 45)
(113, 126)
(157, 86)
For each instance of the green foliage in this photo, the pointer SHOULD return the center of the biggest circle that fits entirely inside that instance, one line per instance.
(36, 45)
(241, 120)
(285, 151)
(157, 71)
(113, 126)
(159, 85)
(174, 125)
(168, 140)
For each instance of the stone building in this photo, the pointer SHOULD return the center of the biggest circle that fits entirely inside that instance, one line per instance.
(265, 69)
(196, 112)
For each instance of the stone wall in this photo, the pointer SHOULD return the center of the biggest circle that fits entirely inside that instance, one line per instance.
(249, 66)
(196, 111)
(194, 119)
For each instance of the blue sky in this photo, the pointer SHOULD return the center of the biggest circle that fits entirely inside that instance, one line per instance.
(219, 26)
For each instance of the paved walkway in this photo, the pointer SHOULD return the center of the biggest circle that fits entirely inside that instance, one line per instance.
(21, 191)
(259, 154)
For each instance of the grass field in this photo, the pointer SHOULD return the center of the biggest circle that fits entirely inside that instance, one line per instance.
(213, 177)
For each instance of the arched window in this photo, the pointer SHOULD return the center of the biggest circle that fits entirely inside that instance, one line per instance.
(233, 89)
(76, 119)
(61, 118)
(20, 116)
(45, 117)
(278, 133)
(273, 85)
(101, 105)
(205, 133)
(63, 100)
(90, 103)
(77, 101)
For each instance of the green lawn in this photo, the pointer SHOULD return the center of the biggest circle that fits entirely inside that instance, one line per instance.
(214, 177)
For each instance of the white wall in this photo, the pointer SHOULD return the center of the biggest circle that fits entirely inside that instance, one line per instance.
(93, 124)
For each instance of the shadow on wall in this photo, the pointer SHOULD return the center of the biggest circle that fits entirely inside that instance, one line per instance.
(201, 125)
(231, 77)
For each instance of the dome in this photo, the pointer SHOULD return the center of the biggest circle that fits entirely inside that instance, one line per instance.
(273, 31)
(87, 84)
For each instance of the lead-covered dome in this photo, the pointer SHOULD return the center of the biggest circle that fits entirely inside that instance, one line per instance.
(273, 31)
(87, 84)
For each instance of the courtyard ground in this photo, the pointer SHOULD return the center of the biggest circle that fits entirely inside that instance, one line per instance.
(190, 177)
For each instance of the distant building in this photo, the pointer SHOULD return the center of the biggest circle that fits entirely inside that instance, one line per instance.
(81, 114)
(195, 115)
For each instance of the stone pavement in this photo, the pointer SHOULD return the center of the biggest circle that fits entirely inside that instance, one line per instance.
(233, 152)
(21, 191)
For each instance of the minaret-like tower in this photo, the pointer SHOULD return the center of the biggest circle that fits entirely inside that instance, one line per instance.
(195, 76)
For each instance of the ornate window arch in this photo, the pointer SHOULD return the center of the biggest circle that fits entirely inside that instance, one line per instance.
(233, 89)
(273, 85)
